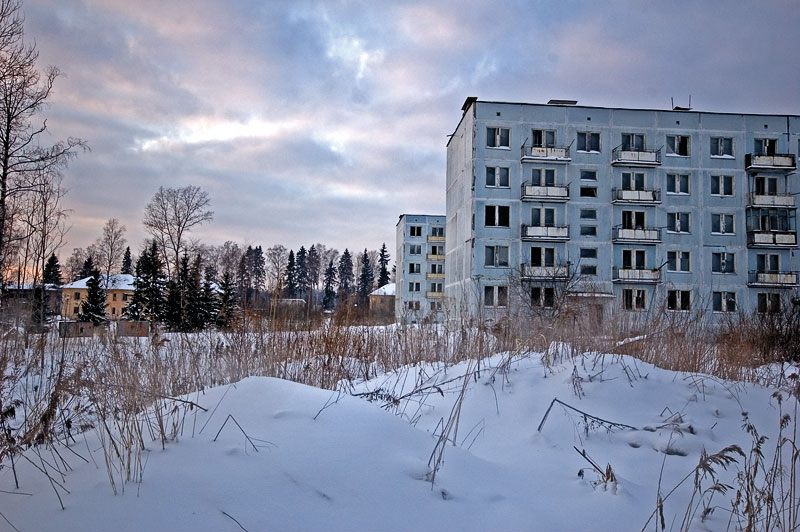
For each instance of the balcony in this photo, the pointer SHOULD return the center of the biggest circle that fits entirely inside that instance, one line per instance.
(641, 158)
(646, 197)
(782, 162)
(545, 233)
(558, 193)
(772, 279)
(553, 154)
(435, 238)
(545, 273)
(435, 256)
(434, 295)
(434, 275)
(774, 200)
(756, 239)
(626, 275)
(642, 235)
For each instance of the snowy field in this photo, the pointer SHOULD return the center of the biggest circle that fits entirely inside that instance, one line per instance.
(293, 457)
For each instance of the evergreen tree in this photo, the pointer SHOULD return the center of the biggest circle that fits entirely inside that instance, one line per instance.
(93, 308)
(172, 306)
(259, 268)
(52, 271)
(346, 276)
(147, 302)
(314, 263)
(227, 300)
(192, 293)
(87, 268)
(178, 289)
(126, 262)
(37, 305)
(365, 280)
(301, 273)
(383, 261)
(291, 277)
(245, 277)
(329, 299)
(209, 303)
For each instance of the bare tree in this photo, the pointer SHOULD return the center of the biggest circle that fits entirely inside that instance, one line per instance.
(23, 94)
(109, 248)
(276, 258)
(171, 213)
(74, 264)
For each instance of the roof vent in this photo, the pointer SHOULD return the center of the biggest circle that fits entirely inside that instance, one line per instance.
(562, 102)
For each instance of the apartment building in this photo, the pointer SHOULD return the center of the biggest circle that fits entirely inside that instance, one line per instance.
(629, 210)
(420, 268)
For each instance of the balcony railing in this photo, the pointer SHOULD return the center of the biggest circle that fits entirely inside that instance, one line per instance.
(435, 238)
(643, 235)
(774, 200)
(545, 273)
(771, 238)
(619, 195)
(776, 279)
(434, 294)
(541, 232)
(628, 275)
(778, 161)
(544, 193)
(435, 256)
(431, 275)
(620, 157)
(553, 154)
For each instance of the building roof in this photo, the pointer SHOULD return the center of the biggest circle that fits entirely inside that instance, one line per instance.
(116, 281)
(385, 290)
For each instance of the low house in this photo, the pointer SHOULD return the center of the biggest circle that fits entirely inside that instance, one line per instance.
(119, 291)
(381, 301)
(21, 296)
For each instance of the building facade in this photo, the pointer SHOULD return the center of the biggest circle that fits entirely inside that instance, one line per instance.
(119, 291)
(420, 268)
(632, 210)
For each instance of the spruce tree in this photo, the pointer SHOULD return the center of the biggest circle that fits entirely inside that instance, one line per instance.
(383, 261)
(126, 262)
(52, 271)
(209, 303)
(365, 280)
(192, 293)
(87, 268)
(93, 308)
(346, 276)
(329, 299)
(314, 264)
(147, 302)
(227, 301)
(301, 273)
(291, 277)
(245, 277)
(172, 307)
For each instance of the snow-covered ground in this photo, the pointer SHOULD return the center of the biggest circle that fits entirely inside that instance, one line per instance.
(360, 459)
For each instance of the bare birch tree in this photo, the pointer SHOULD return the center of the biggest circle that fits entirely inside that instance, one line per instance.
(109, 248)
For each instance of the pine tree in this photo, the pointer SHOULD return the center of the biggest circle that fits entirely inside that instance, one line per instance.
(227, 301)
(365, 280)
(301, 273)
(345, 274)
(383, 261)
(291, 277)
(52, 271)
(126, 262)
(147, 302)
(329, 299)
(87, 268)
(93, 308)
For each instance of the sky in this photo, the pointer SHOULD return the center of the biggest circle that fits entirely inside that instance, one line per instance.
(323, 121)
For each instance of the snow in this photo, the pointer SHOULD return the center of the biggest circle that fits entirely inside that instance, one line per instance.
(116, 281)
(358, 458)
(385, 290)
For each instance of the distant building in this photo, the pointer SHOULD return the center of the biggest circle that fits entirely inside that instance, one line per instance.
(20, 296)
(118, 294)
(628, 210)
(381, 301)
(420, 268)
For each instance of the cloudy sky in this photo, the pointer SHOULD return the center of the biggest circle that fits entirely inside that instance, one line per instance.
(322, 121)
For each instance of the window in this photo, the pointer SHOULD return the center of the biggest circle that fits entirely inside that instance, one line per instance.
(77, 296)
(633, 142)
(412, 305)
(495, 296)
(543, 296)
(414, 267)
(679, 300)
(544, 138)
(722, 185)
(633, 299)
(415, 249)
(588, 192)
(721, 147)
(496, 177)
(769, 303)
(588, 253)
(768, 263)
(769, 220)
(765, 146)
(437, 267)
(633, 259)
(124, 297)
(678, 261)
(678, 183)
(722, 224)
(113, 311)
(588, 269)
(415, 230)
(588, 141)
(678, 145)
(766, 186)
(633, 219)
(413, 287)
(437, 249)
(678, 222)
(543, 217)
(723, 262)
(543, 177)
(588, 230)
(436, 305)
(496, 256)
(496, 215)
(589, 175)
(75, 310)
(498, 137)
(723, 301)
(435, 287)
(543, 257)
(588, 214)
(113, 297)
(632, 181)
(437, 231)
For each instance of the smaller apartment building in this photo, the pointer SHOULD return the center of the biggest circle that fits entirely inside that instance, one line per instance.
(420, 268)
(118, 294)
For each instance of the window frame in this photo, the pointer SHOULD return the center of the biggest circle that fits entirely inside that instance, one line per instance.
(721, 180)
(725, 299)
(675, 182)
(497, 138)
(677, 226)
(496, 256)
(634, 299)
(497, 218)
(588, 142)
(720, 143)
(679, 255)
(496, 175)
(720, 219)
(496, 299)
(723, 263)
(679, 300)
(673, 151)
